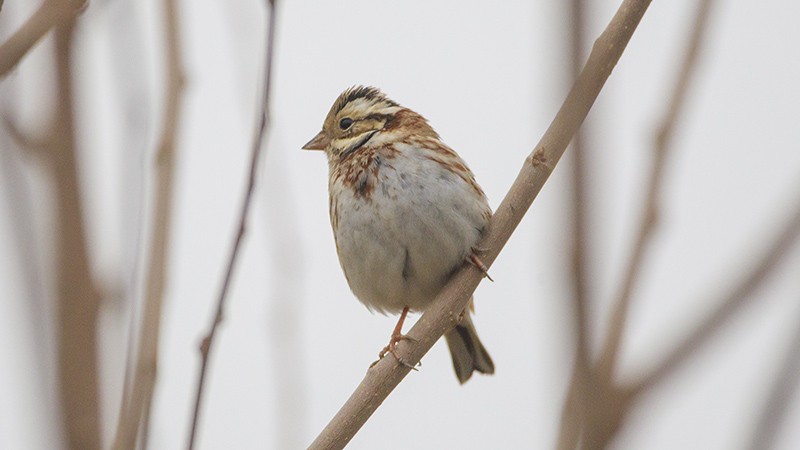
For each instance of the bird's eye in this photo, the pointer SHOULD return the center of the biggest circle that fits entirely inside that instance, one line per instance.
(345, 123)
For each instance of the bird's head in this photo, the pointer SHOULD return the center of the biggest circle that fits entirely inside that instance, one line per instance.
(357, 117)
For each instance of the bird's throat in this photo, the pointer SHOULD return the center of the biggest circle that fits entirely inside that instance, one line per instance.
(357, 144)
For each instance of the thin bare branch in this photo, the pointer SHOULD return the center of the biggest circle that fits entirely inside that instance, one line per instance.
(786, 382)
(609, 403)
(649, 218)
(36, 297)
(257, 149)
(574, 408)
(136, 407)
(579, 219)
(78, 298)
(731, 304)
(133, 99)
(596, 406)
(51, 13)
(384, 376)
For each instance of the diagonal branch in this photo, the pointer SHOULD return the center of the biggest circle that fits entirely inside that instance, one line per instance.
(51, 13)
(384, 376)
(136, 405)
(594, 402)
(733, 302)
(649, 219)
(780, 396)
(610, 402)
(264, 124)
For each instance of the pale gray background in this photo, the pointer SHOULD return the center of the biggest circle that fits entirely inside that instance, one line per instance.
(489, 76)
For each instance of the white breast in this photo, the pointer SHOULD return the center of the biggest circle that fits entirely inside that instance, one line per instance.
(398, 246)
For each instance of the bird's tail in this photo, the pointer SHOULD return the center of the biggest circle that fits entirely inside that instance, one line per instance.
(467, 351)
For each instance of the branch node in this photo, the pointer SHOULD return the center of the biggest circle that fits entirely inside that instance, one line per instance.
(539, 158)
(204, 345)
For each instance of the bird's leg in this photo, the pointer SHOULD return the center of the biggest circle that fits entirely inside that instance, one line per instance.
(475, 261)
(397, 336)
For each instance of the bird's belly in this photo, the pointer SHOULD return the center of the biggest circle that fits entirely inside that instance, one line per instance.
(399, 246)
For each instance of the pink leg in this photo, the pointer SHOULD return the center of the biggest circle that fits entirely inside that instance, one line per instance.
(397, 336)
(475, 261)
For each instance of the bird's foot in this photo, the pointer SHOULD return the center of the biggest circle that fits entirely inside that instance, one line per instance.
(475, 261)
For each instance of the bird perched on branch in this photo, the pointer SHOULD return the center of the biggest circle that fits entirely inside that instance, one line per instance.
(406, 213)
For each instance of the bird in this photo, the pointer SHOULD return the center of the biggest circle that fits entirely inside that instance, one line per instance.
(406, 213)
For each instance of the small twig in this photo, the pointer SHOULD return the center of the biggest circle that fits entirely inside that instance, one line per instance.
(649, 218)
(780, 396)
(258, 144)
(50, 14)
(136, 405)
(382, 378)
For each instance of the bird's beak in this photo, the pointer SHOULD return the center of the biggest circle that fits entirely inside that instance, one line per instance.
(320, 141)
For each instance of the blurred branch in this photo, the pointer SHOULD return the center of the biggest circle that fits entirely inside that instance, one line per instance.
(649, 219)
(603, 406)
(137, 406)
(131, 94)
(609, 403)
(441, 316)
(35, 145)
(258, 145)
(780, 396)
(36, 298)
(732, 303)
(79, 300)
(573, 412)
(51, 13)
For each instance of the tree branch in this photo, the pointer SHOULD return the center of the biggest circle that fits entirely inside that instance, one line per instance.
(596, 406)
(731, 304)
(264, 124)
(649, 219)
(137, 405)
(78, 298)
(779, 398)
(50, 14)
(384, 376)
(574, 409)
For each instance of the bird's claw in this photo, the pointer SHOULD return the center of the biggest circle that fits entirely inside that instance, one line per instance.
(475, 261)
(392, 349)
